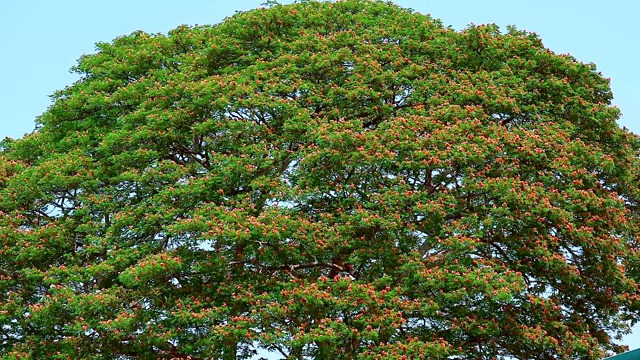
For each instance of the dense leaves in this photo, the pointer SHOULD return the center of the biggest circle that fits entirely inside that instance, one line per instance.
(346, 180)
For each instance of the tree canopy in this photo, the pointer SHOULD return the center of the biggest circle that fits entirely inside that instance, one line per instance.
(348, 180)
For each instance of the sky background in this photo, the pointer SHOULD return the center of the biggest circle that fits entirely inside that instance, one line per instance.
(42, 39)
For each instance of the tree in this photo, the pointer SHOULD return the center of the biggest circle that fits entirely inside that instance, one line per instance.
(347, 180)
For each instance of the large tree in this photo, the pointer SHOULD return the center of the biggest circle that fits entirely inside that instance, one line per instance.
(346, 180)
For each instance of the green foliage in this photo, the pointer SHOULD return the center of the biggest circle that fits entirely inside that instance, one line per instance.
(346, 180)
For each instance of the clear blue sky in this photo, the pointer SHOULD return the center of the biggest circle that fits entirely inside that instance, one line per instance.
(41, 40)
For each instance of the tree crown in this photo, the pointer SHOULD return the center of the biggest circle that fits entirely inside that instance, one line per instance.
(321, 180)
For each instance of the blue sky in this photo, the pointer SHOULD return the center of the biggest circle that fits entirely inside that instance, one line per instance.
(41, 40)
